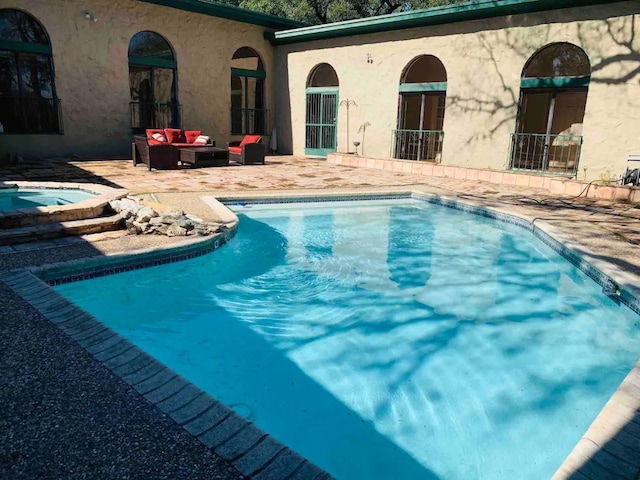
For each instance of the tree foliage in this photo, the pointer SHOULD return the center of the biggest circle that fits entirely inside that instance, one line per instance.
(327, 11)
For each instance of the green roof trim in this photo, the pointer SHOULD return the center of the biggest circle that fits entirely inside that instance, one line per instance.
(153, 62)
(460, 12)
(25, 47)
(244, 72)
(322, 89)
(423, 87)
(555, 82)
(230, 12)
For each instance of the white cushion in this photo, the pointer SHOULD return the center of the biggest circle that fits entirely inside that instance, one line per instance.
(202, 140)
(159, 137)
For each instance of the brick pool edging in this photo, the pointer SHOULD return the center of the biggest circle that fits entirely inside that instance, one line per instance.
(253, 452)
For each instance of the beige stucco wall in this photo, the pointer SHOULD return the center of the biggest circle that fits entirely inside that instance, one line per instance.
(484, 62)
(92, 71)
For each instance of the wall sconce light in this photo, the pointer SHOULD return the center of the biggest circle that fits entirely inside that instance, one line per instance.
(88, 16)
(369, 59)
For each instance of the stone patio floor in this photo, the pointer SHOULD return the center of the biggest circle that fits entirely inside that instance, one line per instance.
(610, 231)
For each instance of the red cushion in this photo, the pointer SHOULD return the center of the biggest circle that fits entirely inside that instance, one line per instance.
(250, 139)
(183, 144)
(191, 135)
(175, 135)
(152, 141)
(151, 131)
(236, 150)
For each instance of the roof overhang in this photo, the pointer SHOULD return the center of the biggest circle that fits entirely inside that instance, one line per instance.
(460, 12)
(229, 12)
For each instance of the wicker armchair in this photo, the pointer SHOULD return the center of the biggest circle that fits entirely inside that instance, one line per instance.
(154, 156)
(247, 151)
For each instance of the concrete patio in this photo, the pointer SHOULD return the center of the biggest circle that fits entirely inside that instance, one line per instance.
(66, 397)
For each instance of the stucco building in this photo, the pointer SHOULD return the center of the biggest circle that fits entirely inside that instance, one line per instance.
(531, 85)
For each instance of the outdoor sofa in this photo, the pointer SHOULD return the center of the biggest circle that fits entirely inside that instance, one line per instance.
(160, 149)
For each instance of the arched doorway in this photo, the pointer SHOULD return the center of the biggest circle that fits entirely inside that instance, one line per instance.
(153, 83)
(321, 123)
(421, 104)
(553, 97)
(28, 100)
(248, 112)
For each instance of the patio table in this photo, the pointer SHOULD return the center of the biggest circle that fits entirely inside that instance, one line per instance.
(209, 156)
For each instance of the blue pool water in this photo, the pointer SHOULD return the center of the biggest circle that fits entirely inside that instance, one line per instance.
(390, 339)
(30, 198)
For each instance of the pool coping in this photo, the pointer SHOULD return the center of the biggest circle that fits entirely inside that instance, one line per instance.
(253, 452)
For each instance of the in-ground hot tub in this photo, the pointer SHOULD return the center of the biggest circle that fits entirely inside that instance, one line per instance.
(30, 211)
(18, 198)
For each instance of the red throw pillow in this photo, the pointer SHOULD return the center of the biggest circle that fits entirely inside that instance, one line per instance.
(191, 135)
(151, 131)
(250, 139)
(175, 135)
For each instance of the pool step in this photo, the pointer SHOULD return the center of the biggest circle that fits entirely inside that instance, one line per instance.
(12, 236)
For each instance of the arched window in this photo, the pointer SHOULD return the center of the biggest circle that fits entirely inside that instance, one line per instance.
(423, 90)
(248, 112)
(28, 101)
(321, 122)
(153, 83)
(553, 97)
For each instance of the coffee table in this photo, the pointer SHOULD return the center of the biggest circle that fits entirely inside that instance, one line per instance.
(205, 156)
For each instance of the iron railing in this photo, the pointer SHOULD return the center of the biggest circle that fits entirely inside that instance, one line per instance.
(545, 153)
(30, 115)
(155, 115)
(249, 121)
(421, 145)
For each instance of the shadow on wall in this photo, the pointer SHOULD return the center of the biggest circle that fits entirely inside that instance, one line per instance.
(501, 103)
(283, 102)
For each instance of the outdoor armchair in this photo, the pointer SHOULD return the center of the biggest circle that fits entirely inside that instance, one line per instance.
(248, 151)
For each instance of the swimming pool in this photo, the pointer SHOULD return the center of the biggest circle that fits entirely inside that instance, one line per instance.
(14, 199)
(386, 339)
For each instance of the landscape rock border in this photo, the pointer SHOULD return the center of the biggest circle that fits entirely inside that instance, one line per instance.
(142, 219)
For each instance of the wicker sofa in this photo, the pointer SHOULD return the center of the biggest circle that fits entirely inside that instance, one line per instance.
(159, 155)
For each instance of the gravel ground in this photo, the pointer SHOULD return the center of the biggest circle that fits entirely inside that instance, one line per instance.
(69, 418)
